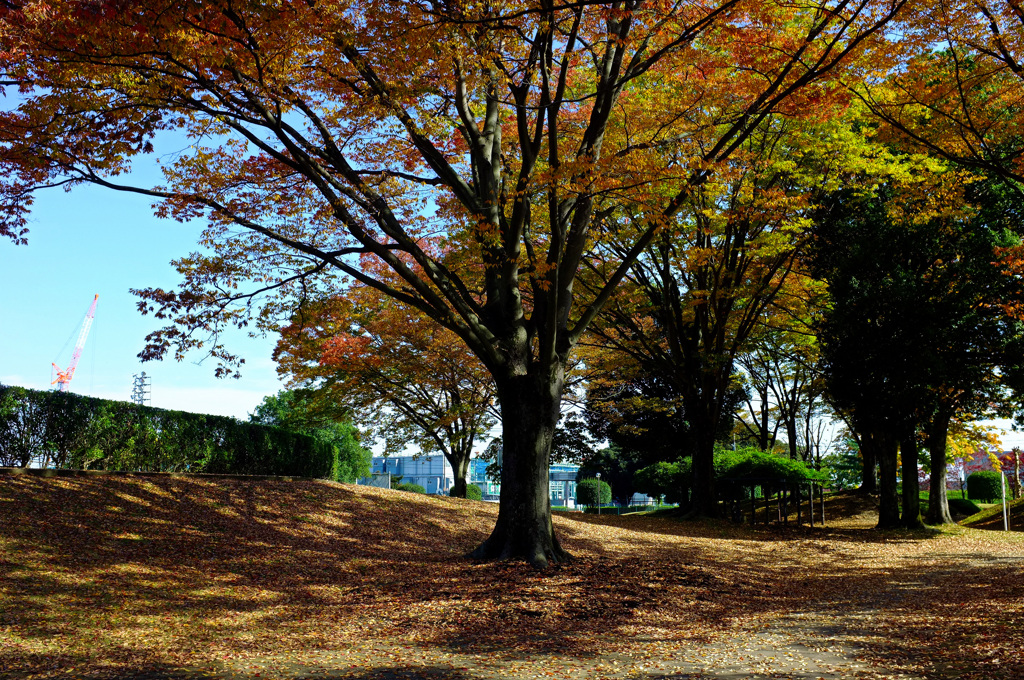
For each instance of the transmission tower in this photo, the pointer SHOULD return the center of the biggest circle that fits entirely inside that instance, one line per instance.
(141, 387)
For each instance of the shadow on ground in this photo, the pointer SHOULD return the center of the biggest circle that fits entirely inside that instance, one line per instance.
(101, 577)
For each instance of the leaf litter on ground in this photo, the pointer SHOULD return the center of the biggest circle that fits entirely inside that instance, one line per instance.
(118, 576)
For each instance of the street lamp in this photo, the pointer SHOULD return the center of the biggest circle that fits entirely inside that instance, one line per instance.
(598, 475)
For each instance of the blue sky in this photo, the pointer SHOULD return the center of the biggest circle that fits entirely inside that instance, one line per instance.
(96, 241)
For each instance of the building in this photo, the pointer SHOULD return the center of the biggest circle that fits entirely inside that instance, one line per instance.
(431, 472)
(434, 474)
(960, 469)
(490, 488)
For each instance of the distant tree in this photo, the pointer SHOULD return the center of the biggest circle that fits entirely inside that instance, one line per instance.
(638, 410)
(786, 394)
(670, 481)
(617, 467)
(22, 427)
(406, 379)
(984, 485)
(592, 492)
(296, 411)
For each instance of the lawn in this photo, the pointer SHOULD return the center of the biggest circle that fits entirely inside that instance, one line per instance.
(159, 577)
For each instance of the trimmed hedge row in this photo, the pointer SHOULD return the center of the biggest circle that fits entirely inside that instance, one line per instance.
(70, 431)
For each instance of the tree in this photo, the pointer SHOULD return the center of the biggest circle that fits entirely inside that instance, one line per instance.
(593, 492)
(296, 412)
(788, 388)
(22, 427)
(670, 481)
(916, 332)
(637, 409)
(697, 297)
(958, 95)
(473, 150)
(616, 467)
(406, 378)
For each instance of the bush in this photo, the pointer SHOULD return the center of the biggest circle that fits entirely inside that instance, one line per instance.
(473, 492)
(962, 506)
(66, 430)
(984, 485)
(593, 491)
(411, 488)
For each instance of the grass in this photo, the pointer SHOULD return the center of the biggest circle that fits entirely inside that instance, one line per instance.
(110, 577)
(991, 516)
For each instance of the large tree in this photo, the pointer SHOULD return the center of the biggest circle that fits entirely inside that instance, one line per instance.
(472, 149)
(697, 296)
(916, 332)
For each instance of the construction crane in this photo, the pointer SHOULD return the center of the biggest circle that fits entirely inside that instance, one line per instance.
(64, 377)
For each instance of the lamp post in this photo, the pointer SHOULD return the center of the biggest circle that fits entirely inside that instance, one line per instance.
(598, 475)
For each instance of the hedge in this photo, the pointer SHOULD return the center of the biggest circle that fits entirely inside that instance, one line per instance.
(962, 506)
(71, 431)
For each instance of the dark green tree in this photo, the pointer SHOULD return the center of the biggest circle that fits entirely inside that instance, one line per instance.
(616, 467)
(298, 412)
(916, 329)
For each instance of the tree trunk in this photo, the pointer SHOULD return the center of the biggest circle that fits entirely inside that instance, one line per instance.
(1016, 472)
(705, 415)
(869, 460)
(460, 466)
(791, 434)
(889, 500)
(529, 411)
(702, 473)
(938, 502)
(911, 518)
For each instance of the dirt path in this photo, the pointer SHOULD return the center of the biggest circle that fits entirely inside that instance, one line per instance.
(808, 646)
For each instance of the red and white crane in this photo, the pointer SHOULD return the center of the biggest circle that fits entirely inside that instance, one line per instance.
(64, 377)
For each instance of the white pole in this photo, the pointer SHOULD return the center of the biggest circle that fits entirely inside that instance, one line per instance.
(1006, 516)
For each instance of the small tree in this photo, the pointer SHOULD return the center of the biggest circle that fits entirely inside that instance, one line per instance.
(670, 481)
(293, 411)
(591, 492)
(473, 492)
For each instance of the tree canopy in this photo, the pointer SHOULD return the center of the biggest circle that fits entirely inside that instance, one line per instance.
(478, 153)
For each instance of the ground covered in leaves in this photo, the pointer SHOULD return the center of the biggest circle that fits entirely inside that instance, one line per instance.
(160, 577)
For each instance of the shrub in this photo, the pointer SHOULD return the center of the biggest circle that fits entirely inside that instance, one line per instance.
(962, 506)
(593, 491)
(984, 485)
(411, 488)
(473, 492)
(71, 431)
